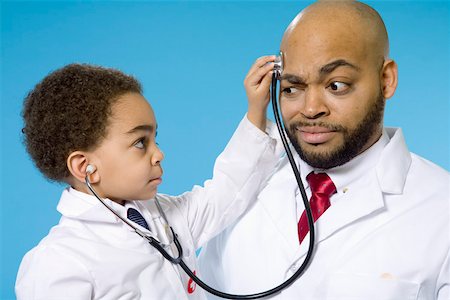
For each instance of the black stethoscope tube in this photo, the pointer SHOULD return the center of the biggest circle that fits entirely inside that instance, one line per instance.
(308, 257)
(178, 260)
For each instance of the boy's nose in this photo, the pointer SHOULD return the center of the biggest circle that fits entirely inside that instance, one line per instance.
(157, 157)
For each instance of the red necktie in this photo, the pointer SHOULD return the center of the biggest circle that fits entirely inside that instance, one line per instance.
(322, 187)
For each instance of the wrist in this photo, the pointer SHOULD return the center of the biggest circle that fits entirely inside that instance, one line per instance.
(259, 119)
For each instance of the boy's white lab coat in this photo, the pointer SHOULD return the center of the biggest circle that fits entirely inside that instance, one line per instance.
(388, 238)
(91, 254)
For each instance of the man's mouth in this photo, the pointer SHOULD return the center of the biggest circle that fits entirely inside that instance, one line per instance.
(315, 134)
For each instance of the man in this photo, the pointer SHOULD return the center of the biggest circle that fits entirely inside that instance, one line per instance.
(384, 232)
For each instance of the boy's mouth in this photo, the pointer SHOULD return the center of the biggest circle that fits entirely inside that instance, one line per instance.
(156, 180)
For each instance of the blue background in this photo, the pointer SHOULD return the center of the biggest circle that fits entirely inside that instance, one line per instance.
(191, 58)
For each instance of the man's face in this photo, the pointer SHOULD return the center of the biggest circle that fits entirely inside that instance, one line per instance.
(354, 141)
(331, 97)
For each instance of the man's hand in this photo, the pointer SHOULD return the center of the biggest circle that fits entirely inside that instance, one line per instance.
(257, 86)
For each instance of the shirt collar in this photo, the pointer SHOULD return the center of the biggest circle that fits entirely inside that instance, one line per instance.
(343, 175)
(348, 172)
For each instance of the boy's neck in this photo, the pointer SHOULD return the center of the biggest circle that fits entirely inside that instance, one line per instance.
(84, 189)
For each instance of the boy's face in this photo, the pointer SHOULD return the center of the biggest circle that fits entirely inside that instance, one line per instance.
(128, 159)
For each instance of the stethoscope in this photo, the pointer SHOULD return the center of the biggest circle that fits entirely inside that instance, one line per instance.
(278, 67)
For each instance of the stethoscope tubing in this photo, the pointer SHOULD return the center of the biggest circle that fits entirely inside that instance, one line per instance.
(179, 261)
(155, 243)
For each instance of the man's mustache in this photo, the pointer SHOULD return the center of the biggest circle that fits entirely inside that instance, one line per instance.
(332, 127)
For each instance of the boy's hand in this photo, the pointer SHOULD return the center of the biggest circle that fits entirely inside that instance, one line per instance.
(257, 86)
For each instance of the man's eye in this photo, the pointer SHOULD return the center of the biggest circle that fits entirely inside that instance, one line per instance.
(289, 90)
(339, 87)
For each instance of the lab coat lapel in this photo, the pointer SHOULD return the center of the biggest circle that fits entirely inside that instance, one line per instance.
(366, 197)
(283, 218)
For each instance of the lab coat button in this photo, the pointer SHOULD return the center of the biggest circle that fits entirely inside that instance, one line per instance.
(294, 268)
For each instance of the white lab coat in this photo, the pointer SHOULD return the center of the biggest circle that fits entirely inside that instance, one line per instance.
(91, 254)
(387, 236)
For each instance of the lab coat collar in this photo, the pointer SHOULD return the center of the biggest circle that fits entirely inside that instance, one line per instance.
(389, 156)
(81, 206)
(394, 163)
(358, 166)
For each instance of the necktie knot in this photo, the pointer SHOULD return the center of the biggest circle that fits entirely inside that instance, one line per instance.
(136, 217)
(321, 184)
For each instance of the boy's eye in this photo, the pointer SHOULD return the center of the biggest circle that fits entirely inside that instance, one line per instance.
(140, 144)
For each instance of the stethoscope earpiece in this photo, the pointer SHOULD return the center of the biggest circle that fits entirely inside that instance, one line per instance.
(90, 169)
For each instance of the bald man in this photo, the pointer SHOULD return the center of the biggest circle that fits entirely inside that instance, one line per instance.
(381, 213)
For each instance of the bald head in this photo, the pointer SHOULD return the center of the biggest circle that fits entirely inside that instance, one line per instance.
(353, 23)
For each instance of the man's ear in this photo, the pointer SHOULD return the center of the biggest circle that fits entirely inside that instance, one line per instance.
(77, 163)
(389, 78)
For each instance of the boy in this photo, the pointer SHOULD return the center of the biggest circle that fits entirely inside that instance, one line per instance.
(84, 115)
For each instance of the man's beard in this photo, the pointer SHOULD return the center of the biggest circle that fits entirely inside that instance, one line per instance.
(354, 140)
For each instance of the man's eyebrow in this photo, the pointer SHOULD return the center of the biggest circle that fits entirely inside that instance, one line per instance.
(324, 70)
(149, 128)
(330, 67)
(293, 79)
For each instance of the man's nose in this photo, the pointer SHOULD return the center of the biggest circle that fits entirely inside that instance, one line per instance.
(314, 104)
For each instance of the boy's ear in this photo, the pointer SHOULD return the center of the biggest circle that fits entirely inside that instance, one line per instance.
(389, 78)
(77, 163)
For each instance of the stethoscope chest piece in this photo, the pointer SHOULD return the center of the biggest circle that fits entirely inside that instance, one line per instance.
(278, 66)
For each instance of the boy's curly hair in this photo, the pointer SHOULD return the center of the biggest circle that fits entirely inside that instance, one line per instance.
(68, 111)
